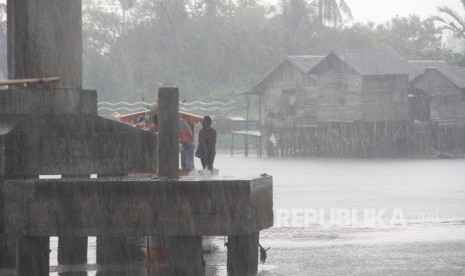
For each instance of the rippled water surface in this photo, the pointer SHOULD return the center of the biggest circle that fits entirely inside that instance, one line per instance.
(429, 194)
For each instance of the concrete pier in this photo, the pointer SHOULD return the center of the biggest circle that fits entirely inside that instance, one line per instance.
(72, 250)
(182, 209)
(54, 129)
(111, 249)
(186, 255)
(32, 256)
(243, 254)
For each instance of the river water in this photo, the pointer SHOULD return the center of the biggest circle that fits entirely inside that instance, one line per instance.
(353, 217)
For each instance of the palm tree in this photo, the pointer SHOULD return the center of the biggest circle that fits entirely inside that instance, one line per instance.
(451, 20)
(332, 12)
(125, 5)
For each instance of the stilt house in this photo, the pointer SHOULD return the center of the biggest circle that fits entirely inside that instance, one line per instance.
(368, 86)
(440, 93)
(287, 94)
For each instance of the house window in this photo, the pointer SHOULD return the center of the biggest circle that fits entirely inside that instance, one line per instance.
(289, 101)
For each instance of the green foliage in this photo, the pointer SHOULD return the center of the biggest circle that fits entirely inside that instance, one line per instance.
(451, 20)
(214, 49)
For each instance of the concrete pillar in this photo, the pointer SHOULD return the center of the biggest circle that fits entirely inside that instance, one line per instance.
(111, 250)
(168, 121)
(72, 250)
(8, 251)
(7, 242)
(243, 254)
(45, 39)
(186, 255)
(32, 256)
(185, 252)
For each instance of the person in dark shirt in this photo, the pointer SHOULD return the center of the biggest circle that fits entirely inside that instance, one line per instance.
(206, 149)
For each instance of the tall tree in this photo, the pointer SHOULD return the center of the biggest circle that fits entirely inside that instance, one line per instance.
(333, 12)
(451, 20)
(295, 14)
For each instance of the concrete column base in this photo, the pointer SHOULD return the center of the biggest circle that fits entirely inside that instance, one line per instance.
(72, 250)
(32, 256)
(243, 254)
(186, 255)
(8, 251)
(111, 250)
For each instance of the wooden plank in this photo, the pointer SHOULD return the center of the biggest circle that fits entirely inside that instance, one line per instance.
(45, 80)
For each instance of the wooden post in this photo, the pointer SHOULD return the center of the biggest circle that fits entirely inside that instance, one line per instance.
(168, 121)
(256, 144)
(232, 144)
(32, 256)
(243, 254)
(246, 137)
(246, 143)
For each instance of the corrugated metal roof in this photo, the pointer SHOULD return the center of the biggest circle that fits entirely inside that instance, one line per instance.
(376, 62)
(305, 63)
(422, 65)
(454, 74)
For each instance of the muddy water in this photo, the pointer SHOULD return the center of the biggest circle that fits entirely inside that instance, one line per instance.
(352, 217)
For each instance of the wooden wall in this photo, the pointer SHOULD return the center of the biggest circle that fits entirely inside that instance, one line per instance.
(288, 78)
(385, 98)
(447, 100)
(339, 96)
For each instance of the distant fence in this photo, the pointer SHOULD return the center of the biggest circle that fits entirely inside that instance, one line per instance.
(108, 109)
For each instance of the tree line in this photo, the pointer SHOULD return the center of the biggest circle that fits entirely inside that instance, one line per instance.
(213, 49)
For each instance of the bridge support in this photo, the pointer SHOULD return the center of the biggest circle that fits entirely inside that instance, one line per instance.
(8, 252)
(72, 250)
(32, 256)
(243, 254)
(111, 250)
(186, 255)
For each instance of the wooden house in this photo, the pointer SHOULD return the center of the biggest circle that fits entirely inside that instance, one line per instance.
(440, 93)
(287, 95)
(366, 86)
(362, 104)
(352, 103)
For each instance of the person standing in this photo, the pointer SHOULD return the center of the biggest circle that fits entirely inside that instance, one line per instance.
(206, 149)
(186, 139)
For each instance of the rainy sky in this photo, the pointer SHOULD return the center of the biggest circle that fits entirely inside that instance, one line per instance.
(380, 11)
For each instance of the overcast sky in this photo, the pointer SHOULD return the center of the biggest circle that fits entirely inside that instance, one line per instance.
(380, 11)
